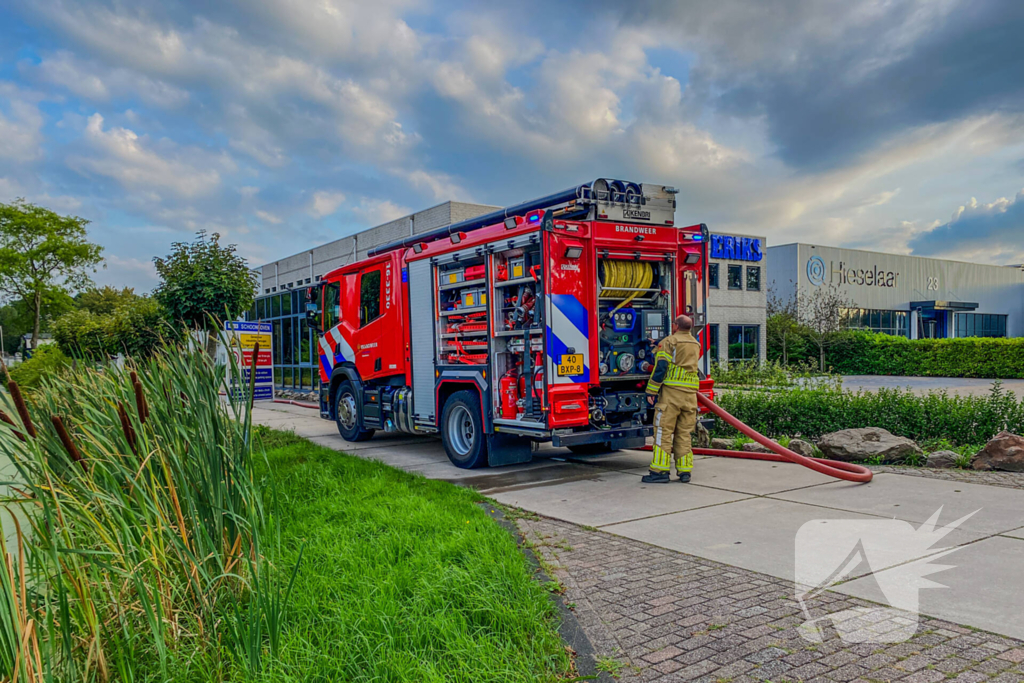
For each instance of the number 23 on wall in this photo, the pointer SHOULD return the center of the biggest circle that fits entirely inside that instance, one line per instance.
(933, 284)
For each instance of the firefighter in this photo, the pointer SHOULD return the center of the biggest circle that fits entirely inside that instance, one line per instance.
(674, 384)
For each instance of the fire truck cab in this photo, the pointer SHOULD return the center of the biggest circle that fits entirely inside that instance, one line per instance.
(533, 324)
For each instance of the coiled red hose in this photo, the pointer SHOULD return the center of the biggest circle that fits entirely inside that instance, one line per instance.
(833, 468)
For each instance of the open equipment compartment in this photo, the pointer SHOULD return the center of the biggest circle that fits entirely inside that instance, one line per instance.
(462, 296)
(635, 294)
(518, 320)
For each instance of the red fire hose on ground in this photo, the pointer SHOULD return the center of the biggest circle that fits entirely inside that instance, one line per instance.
(833, 468)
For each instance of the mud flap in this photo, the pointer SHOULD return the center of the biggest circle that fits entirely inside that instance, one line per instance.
(506, 449)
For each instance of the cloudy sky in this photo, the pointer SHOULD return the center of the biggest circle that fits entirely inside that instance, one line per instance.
(282, 124)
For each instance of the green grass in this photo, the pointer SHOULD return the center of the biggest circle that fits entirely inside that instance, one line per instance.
(402, 578)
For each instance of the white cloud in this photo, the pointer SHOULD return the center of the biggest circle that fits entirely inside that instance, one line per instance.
(121, 154)
(325, 203)
(376, 212)
(441, 185)
(99, 83)
(268, 217)
(21, 126)
(127, 272)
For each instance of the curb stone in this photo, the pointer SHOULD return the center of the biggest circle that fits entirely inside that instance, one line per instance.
(569, 629)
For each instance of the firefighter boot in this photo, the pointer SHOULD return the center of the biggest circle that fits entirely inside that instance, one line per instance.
(684, 477)
(655, 477)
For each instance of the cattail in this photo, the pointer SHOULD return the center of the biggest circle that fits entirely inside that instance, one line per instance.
(252, 372)
(140, 400)
(65, 439)
(19, 403)
(126, 427)
(7, 418)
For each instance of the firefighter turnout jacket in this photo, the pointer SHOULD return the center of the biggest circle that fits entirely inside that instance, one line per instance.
(675, 381)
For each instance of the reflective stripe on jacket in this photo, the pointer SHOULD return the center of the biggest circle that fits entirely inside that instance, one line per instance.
(675, 363)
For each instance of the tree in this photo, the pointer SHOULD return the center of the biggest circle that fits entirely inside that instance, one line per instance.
(782, 325)
(103, 300)
(43, 254)
(201, 279)
(821, 313)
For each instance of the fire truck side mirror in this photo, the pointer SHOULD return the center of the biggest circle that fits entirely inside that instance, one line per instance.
(313, 319)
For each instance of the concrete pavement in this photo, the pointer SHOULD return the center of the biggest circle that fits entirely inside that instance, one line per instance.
(922, 385)
(747, 514)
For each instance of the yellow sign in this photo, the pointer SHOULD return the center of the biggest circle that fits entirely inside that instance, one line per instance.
(249, 341)
(571, 364)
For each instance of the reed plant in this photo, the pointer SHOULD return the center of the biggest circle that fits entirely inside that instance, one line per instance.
(144, 524)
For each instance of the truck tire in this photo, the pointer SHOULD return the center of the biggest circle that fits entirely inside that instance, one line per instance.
(592, 448)
(348, 414)
(462, 430)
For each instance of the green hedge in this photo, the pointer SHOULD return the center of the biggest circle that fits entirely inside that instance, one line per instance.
(865, 353)
(135, 328)
(811, 412)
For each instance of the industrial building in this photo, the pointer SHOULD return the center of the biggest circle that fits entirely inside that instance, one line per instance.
(912, 296)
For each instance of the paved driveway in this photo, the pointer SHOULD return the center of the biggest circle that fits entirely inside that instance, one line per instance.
(748, 513)
(922, 385)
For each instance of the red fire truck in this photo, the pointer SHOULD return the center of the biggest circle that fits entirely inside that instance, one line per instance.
(534, 323)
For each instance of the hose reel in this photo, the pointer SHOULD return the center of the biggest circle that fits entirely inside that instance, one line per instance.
(624, 279)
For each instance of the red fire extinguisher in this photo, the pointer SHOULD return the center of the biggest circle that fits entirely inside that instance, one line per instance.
(508, 387)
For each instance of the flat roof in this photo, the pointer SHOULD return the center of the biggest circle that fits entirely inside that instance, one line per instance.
(889, 253)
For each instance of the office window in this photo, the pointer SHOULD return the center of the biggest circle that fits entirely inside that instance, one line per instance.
(896, 323)
(735, 277)
(754, 278)
(295, 354)
(713, 343)
(743, 342)
(369, 297)
(980, 325)
(713, 275)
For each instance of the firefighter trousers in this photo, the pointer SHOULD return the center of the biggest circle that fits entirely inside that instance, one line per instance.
(675, 417)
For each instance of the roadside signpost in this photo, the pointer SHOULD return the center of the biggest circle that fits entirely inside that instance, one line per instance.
(242, 339)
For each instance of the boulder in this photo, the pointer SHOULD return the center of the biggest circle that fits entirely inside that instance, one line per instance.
(722, 444)
(801, 447)
(1004, 452)
(755, 448)
(941, 459)
(866, 443)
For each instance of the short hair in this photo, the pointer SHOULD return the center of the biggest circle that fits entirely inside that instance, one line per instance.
(684, 323)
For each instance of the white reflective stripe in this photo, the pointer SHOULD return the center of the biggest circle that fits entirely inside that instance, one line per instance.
(573, 339)
(325, 349)
(657, 428)
(343, 345)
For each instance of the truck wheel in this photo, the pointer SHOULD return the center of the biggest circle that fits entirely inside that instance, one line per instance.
(348, 415)
(592, 448)
(462, 431)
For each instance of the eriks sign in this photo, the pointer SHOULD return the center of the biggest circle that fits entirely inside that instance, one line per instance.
(736, 248)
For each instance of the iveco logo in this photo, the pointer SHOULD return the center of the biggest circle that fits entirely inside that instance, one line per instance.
(638, 214)
(636, 229)
(570, 266)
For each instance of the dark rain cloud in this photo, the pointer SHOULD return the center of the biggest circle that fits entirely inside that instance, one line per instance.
(834, 80)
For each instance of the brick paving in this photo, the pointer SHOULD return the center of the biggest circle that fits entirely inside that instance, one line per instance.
(1013, 480)
(668, 616)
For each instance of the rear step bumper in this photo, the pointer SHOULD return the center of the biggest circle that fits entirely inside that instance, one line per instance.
(633, 437)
